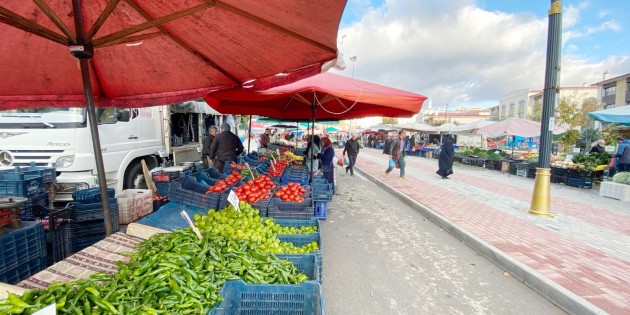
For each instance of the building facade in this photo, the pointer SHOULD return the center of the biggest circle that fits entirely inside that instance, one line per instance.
(458, 116)
(614, 92)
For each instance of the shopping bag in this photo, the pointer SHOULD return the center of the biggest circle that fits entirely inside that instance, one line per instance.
(345, 161)
(392, 163)
(340, 161)
(397, 165)
(613, 161)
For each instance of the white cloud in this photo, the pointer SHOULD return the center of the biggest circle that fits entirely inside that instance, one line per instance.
(458, 53)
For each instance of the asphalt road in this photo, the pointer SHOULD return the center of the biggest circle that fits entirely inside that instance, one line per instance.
(382, 257)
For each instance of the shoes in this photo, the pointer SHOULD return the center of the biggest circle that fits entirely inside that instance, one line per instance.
(386, 173)
(402, 177)
(445, 177)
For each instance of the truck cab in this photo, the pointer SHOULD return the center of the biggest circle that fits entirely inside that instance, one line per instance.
(61, 137)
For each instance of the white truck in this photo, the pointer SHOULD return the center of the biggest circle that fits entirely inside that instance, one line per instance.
(61, 137)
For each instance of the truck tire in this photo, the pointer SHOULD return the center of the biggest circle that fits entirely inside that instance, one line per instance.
(134, 177)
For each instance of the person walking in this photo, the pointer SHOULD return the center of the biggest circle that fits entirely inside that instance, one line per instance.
(623, 154)
(397, 154)
(352, 148)
(206, 144)
(445, 160)
(225, 147)
(326, 157)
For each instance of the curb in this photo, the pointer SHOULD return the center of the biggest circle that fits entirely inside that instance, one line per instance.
(557, 294)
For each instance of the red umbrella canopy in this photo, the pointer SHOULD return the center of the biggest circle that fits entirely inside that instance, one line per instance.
(153, 52)
(336, 97)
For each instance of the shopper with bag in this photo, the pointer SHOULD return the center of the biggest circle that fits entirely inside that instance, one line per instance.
(326, 158)
(622, 155)
(352, 148)
(397, 154)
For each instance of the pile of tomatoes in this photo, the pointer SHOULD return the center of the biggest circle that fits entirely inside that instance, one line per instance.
(257, 189)
(222, 184)
(278, 168)
(236, 166)
(291, 192)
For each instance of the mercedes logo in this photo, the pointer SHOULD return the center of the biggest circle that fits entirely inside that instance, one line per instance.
(6, 158)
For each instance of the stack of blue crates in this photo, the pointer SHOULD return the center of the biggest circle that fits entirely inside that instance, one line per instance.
(22, 252)
(299, 175)
(322, 195)
(87, 226)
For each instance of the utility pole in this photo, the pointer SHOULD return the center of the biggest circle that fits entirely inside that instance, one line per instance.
(541, 202)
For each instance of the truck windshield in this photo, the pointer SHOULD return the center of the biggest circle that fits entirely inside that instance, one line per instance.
(71, 117)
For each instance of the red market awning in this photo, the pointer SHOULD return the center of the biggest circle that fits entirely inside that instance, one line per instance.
(335, 97)
(161, 51)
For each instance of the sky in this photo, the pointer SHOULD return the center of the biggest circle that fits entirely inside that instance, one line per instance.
(472, 52)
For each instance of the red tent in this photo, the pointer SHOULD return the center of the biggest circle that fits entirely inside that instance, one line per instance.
(335, 97)
(161, 51)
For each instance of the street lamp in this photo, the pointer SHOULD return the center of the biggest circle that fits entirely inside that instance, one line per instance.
(446, 113)
(353, 59)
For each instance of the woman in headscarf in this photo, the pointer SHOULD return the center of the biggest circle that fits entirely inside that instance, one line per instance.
(447, 155)
(314, 143)
(326, 157)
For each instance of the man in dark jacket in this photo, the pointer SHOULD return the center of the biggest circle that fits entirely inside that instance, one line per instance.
(352, 148)
(225, 147)
(206, 144)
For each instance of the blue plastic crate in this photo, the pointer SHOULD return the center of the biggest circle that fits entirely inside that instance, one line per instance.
(91, 195)
(23, 270)
(321, 208)
(306, 264)
(79, 230)
(49, 174)
(20, 185)
(32, 208)
(163, 188)
(300, 240)
(22, 244)
(93, 211)
(78, 244)
(169, 217)
(301, 180)
(191, 198)
(303, 214)
(298, 223)
(580, 182)
(253, 299)
(57, 243)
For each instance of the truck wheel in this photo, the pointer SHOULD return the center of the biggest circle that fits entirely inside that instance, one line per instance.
(134, 179)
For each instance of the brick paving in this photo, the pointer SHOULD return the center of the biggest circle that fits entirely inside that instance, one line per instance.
(586, 249)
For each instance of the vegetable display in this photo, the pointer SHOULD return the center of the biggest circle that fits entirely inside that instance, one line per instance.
(291, 192)
(254, 190)
(223, 184)
(176, 273)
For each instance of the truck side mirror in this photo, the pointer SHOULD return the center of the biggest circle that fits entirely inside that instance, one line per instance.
(123, 115)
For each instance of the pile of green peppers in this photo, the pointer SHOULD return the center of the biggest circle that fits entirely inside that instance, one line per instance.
(173, 273)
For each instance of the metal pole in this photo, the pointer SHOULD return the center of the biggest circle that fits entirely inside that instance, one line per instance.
(540, 205)
(313, 108)
(249, 134)
(89, 99)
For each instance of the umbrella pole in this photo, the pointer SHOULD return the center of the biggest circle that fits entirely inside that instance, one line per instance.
(313, 107)
(249, 134)
(89, 99)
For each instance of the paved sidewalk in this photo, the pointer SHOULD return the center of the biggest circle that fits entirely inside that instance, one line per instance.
(585, 250)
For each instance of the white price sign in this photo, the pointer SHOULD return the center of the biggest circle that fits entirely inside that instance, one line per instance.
(233, 200)
(190, 223)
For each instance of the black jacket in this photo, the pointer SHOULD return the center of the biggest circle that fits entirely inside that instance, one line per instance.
(396, 147)
(206, 144)
(352, 147)
(225, 147)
